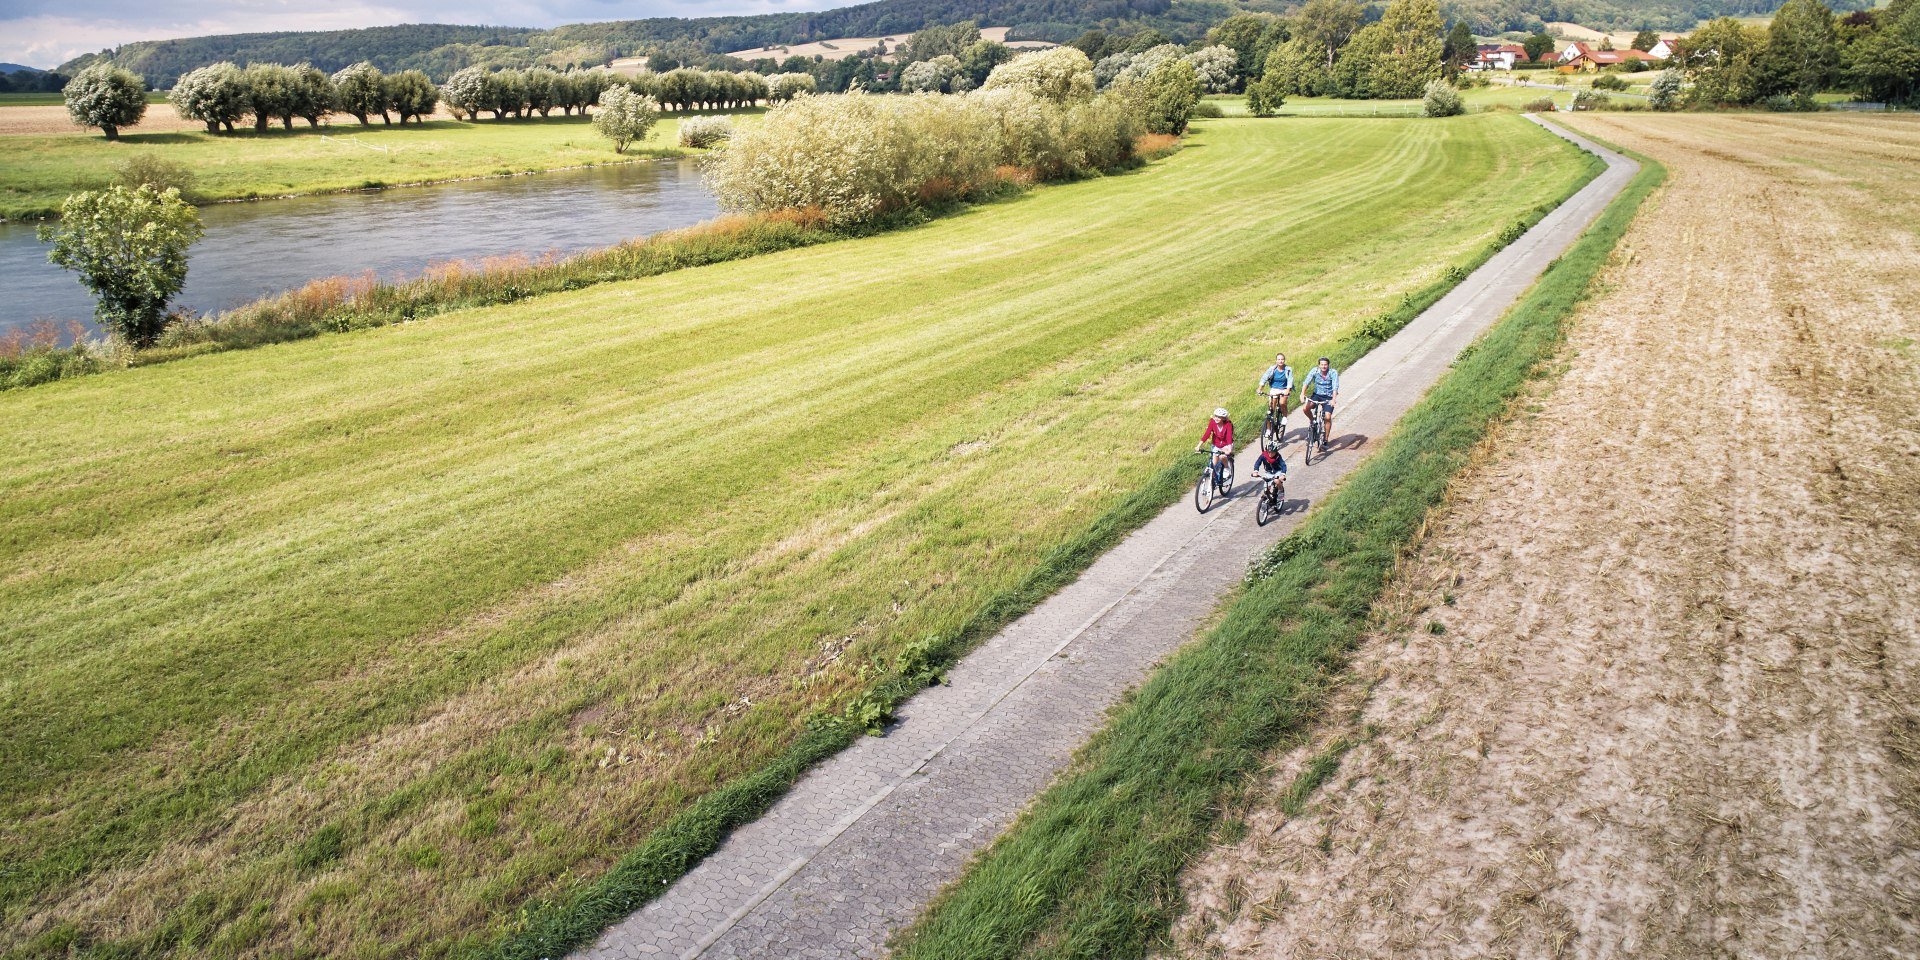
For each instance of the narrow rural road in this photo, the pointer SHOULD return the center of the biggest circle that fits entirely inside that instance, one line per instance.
(860, 844)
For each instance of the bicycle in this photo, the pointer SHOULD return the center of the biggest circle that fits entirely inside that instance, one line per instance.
(1212, 489)
(1273, 500)
(1275, 425)
(1316, 430)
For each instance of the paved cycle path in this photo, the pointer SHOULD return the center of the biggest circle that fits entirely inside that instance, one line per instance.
(854, 850)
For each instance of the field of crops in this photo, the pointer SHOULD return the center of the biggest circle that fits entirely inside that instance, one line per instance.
(363, 641)
(38, 170)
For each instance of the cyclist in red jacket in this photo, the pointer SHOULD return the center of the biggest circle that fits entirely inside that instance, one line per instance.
(1219, 435)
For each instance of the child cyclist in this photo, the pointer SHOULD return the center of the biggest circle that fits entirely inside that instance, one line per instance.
(1271, 467)
(1219, 435)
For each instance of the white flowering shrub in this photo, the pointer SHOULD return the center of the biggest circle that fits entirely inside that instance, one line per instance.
(858, 156)
(930, 76)
(782, 87)
(1218, 67)
(1060, 74)
(1442, 100)
(1109, 67)
(1147, 61)
(705, 131)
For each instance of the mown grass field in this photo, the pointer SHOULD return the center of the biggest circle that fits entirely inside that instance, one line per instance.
(1478, 99)
(38, 171)
(355, 644)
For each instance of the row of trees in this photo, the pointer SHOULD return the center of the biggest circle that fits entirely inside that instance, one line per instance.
(522, 93)
(1804, 51)
(222, 95)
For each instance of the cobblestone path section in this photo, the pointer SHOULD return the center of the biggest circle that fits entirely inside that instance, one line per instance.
(868, 837)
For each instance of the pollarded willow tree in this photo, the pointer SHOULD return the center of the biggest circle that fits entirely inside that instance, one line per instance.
(625, 116)
(107, 97)
(215, 95)
(360, 91)
(129, 247)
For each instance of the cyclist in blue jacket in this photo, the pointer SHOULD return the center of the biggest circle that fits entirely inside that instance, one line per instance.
(1321, 389)
(1277, 383)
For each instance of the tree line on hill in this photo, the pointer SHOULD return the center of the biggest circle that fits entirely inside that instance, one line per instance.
(32, 81)
(1807, 49)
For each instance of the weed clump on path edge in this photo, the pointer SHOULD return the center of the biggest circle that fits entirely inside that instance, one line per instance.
(1092, 869)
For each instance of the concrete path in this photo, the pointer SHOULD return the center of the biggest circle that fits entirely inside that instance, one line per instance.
(854, 850)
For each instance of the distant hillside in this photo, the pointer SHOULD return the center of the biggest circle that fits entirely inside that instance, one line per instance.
(18, 68)
(440, 49)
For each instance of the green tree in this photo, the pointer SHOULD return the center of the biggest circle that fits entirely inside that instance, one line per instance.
(411, 95)
(1251, 36)
(129, 247)
(1645, 40)
(361, 90)
(107, 97)
(312, 94)
(1803, 51)
(1325, 27)
(1883, 64)
(215, 95)
(1722, 62)
(980, 57)
(1458, 50)
(269, 94)
(1146, 40)
(1167, 96)
(947, 41)
(1266, 95)
(1538, 46)
(1411, 57)
(625, 116)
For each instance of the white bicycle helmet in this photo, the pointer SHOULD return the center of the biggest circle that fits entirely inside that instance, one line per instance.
(1222, 413)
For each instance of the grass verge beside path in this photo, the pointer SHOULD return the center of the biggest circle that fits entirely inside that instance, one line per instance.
(1091, 870)
(37, 172)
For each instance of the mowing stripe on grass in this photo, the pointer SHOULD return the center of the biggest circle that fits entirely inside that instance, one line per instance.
(1092, 869)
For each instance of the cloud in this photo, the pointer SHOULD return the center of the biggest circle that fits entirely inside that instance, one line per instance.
(44, 33)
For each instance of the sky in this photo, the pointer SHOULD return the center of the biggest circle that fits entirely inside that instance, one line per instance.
(43, 33)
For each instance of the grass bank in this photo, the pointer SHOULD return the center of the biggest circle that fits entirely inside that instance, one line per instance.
(455, 614)
(1091, 870)
(37, 172)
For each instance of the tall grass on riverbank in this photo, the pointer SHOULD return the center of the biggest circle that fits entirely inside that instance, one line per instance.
(1091, 870)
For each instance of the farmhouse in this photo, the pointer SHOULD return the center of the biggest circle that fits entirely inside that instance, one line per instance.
(1667, 48)
(1597, 59)
(1498, 56)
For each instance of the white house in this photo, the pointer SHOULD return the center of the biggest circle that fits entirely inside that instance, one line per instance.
(1667, 48)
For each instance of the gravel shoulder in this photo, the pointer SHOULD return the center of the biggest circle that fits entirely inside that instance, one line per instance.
(1648, 686)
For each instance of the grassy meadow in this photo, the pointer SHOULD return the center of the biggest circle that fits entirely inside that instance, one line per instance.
(38, 171)
(354, 645)
(1478, 99)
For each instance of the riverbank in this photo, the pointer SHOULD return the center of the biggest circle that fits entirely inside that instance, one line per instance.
(38, 171)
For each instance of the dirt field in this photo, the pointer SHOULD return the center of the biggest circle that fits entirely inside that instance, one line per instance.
(160, 118)
(1649, 686)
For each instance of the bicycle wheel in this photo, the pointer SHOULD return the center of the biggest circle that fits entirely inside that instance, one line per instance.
(1313, 440)
(1203, 492)
(1226, 478)
(1268, 509)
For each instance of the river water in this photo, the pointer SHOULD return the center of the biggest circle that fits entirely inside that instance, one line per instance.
(263, 247)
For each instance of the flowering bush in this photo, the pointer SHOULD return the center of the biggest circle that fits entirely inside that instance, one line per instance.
(705, 131)
(859, 156)
(1442, 100)
(1217, 66)
(785, 86)
(1060, 74)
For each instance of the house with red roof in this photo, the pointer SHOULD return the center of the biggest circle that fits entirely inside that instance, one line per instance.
(1666, 49)
(1497, 56)
(1601, 59)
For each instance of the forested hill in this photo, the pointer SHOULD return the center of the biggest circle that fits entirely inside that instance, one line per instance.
(440, 49)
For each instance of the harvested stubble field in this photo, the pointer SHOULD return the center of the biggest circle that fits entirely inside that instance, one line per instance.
(1651, 685)
(352, 645)
(37, 171)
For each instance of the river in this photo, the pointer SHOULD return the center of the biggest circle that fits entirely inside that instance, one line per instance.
(262, 247)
